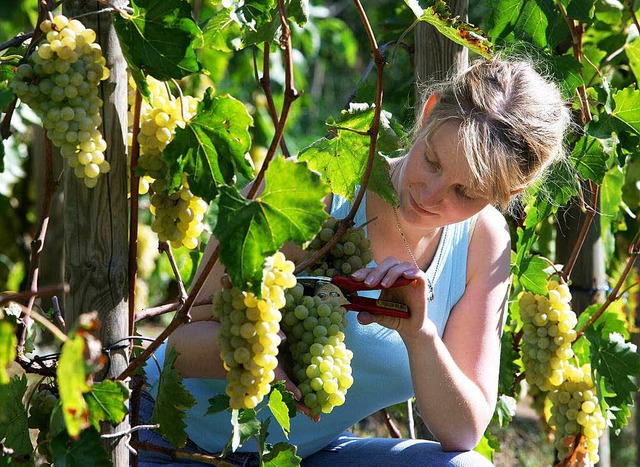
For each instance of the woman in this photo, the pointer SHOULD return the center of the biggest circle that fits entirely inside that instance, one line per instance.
(483, 137)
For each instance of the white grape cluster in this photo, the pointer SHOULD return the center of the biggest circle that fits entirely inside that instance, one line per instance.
(60, 83)
(576, 415)
(159, 118)
(548, 332)
(321, 362)
(248, 334)
(350, 253)
(178, 216)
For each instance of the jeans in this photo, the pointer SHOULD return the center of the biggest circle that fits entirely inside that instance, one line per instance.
(346, 450)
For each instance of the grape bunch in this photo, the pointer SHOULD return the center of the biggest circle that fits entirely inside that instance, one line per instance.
(60, 83)
(159, 118)
(320, 360)
(42, 404)
(575, 411)
(248, 335)
(350, 253)
(548, 332)
(178, 216)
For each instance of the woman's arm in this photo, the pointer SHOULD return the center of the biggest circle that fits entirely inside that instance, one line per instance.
(456, 379)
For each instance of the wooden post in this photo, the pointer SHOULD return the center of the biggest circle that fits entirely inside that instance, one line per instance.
(436, 57)
(96, 219)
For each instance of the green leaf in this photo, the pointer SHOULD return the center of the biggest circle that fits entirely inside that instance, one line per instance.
(508, 365)
(632, 50)
(172, 402)
(72, 384)
(589, 159)
(106, 401)
(290, 208)
(268, 29)
(222, 31)
(342, 158)
(609, 321)
(8, 342)
(84, 451)
(159, 38)
(245, 425)
(581, 10)
(532, 274)
(14, 430)
(505, 410)
(280, 411)
(627, 108)
(217, 403)
(610, 202)
(488, 445)
(211, 148)
(534, 21)
(281, 455)
(616, 362)
(439, 15)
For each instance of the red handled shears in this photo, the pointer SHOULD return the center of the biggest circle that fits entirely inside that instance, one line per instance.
(343, 288)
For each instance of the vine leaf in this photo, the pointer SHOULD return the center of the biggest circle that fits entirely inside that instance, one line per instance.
(14, 430)
(159, 38)
(438, 15)
(609, 321)
(72, 383)
(172, 402)
(342, 157)
(281, 455)
(532, 275)
(106, 401)
(614, 363)
(290, 208)
(8, 342)
(627, 108)
(86, 450)
(589, 159)
(211, 148)
(217, 403)
(280, 411)
(245, 425)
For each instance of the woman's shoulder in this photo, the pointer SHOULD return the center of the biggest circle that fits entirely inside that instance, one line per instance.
(490, 240)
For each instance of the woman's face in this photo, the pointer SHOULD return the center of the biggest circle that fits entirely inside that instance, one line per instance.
(436, 184)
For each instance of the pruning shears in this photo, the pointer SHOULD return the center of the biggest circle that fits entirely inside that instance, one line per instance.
(343, 289)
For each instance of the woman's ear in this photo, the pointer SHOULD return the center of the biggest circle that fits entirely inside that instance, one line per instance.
(428, 107)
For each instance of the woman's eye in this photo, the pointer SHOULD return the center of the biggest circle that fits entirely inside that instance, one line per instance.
(431, 164)
(462, 193)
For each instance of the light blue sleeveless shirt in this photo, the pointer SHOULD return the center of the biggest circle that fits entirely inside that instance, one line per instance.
(380, 362)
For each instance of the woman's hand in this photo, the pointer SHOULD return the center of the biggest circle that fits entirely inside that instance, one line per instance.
(385, 275)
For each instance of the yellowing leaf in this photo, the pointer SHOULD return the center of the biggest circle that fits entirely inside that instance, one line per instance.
(72, 384)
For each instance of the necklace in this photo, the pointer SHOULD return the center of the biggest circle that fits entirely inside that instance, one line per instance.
(431, 294)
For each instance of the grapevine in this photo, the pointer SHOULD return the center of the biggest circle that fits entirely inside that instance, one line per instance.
(350, 253)
(60, 83)
(321, 362)
(248, 336)
(42, 404)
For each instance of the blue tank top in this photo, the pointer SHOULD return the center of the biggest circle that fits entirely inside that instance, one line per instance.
(380, 362)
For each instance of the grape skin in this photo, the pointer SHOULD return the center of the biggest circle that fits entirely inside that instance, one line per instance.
(575, 410)
(321, 362)
(60, 83)
(548, 332)
(350, 253)
(248, 335)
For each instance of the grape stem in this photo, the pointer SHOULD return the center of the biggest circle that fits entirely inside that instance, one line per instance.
(147, 313)
(164, 247)
(180, 454)
(45, 291)
(373, 135)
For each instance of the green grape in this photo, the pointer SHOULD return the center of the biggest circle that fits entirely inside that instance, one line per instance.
(60, 82)
(321, 362)
(575, 411)
(248, 335)
(350, 253)
(547, 334)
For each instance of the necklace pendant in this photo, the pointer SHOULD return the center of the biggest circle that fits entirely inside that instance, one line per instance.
(430, 294)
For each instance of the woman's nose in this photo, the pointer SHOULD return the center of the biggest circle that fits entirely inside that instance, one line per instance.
(433, 192)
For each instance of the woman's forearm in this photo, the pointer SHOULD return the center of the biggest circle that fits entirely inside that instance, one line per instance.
(453, 407)
(199, 356)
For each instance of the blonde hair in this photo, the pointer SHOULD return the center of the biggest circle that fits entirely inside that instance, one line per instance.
(512, 123)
